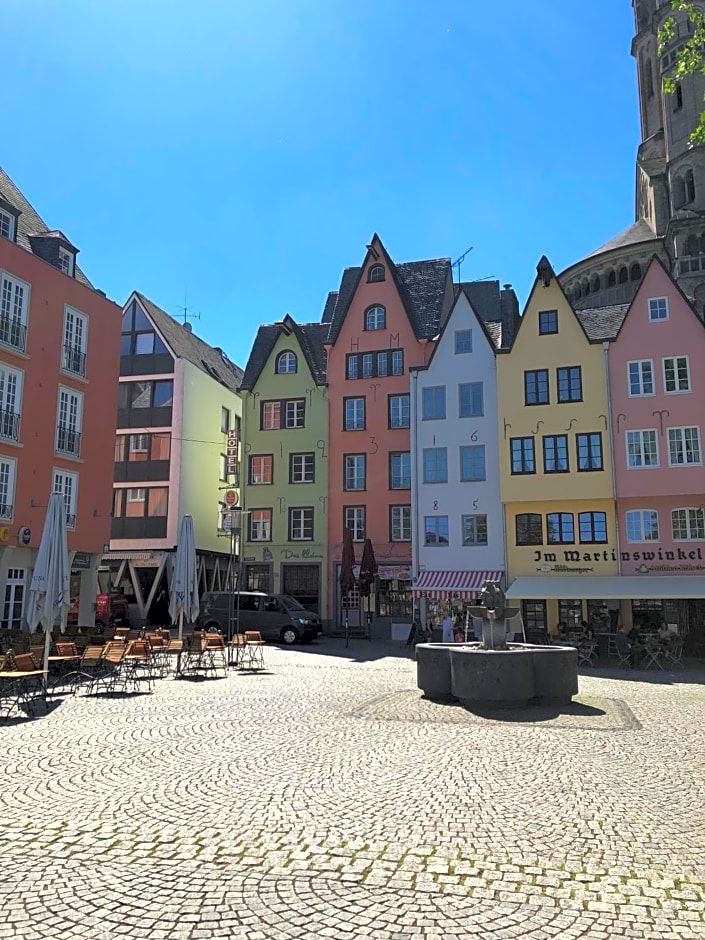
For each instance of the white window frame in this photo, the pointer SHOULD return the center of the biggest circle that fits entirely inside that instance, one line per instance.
(655, 306)
(351, 466)
(400, 524)
(141, 496)
(7, 221)
(13, 328)
(258, 479)
(357, 515)
(139, 443)
(10, 401)
(285, 360)
(458, 334)
(74, 425)
(642, 466)
(8, 477)
(675, 360)
(261, 525)
(298, 522)
(16, 581)
(375, 318)
(298, 468)
(294, 413)
(637, 518)
(75, 340)
(358, 406)
(678, 436)
(474, 517)
(67, 261)
(58, 485)
(640, 364)
(694, 522)
(404, 459)
(396, 403)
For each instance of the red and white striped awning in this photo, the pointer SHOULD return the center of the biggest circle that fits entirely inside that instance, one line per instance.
(439, 583)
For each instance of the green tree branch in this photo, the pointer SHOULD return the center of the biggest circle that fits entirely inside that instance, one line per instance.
(690, 58)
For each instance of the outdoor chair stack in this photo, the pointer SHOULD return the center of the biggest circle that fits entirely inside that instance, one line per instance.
(21, 683)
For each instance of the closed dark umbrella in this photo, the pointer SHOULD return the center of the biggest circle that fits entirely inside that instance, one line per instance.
(347, 575)
(368, 570)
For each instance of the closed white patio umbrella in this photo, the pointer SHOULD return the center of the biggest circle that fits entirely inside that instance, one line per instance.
(183, 595)
(48, 600)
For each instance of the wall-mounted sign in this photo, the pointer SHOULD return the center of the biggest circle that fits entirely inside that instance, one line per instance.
(24, 536)
(81, 561)
(231, 453)
(231, 498)
(4, 534)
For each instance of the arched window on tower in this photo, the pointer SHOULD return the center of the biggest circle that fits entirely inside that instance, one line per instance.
(678, 98)
(635, 272)
(623, 275)
(692, 245)
(586, 287)
(689, 186)
(611, 279)
(595, 283)
(577, 294)
(678, 192)
(702, 243)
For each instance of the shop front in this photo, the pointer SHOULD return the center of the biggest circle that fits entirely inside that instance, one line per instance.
(438, 593)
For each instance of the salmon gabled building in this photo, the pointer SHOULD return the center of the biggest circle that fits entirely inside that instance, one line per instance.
(383, 319)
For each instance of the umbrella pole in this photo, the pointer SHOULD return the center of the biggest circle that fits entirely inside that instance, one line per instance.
(347, 624)
(181, 624)
(45, 664)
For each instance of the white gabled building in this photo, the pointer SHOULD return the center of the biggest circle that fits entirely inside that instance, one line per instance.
(457, 523)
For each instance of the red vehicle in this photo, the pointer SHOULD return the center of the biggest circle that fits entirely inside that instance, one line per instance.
(111, 609)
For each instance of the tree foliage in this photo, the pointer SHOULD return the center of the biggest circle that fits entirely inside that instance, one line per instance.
(691, 56)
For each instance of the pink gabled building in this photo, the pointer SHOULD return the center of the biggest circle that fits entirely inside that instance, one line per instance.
(657, 387)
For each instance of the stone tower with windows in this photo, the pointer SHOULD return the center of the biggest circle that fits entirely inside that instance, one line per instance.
(670, 179)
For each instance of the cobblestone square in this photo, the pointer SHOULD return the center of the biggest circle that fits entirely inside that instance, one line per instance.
(325, 798)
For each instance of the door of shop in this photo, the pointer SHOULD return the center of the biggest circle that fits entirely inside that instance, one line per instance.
(304, 583)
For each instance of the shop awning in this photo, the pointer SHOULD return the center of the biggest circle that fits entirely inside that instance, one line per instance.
(607, 589)
(438, 583)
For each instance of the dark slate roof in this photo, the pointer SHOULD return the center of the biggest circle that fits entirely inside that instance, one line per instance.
(602, 323)
(331, 301)
(311, 337)
(421, 284)
(29, 223)
(186, 345)
(494, 331)
(641, 231)
(483, 297)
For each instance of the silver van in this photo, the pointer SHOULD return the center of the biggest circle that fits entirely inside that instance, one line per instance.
(278, 617)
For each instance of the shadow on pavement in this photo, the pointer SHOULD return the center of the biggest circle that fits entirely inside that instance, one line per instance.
(358, 651)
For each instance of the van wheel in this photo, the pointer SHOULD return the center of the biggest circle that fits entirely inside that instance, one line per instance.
(213, 625)
(289, 636)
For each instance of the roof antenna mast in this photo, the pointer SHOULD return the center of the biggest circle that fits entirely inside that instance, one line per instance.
(459, 261)
(187, 312)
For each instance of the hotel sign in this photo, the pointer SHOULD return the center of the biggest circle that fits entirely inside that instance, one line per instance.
(231, 461)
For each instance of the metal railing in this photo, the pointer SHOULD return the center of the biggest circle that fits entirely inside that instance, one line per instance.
(9, 425)
(74, 360)
(70, 520)
(13, 333)
(68, 441)
(6, 511)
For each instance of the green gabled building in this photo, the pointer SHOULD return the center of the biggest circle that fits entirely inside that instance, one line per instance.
(285, 463)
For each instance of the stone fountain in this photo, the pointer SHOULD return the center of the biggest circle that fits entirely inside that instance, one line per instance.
(493, 672)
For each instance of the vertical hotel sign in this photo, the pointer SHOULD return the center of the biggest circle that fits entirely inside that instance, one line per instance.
(231, 456)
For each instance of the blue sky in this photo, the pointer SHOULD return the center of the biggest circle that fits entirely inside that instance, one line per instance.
(244, 151)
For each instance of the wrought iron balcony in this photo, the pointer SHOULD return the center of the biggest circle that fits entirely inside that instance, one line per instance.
(13, 333)
(74, 360)
(6, 511)
(9, 425)
(68, 441)
(70, 520)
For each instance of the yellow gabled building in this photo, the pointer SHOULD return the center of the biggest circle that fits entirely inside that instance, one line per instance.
(555, 460)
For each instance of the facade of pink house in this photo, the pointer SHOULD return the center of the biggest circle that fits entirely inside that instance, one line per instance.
(657, 389)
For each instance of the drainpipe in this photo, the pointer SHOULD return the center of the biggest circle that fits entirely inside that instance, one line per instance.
(413, 413)
(610, 434)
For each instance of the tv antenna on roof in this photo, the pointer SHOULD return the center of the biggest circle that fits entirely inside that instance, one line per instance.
(459, 261)
(187, 312)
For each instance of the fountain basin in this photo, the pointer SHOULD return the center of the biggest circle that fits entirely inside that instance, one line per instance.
(520, 675)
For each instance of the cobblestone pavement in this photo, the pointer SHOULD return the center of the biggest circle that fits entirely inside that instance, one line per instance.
(325, 798)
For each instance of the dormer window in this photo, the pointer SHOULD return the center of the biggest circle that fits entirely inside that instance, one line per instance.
(286, 363)
(375, 318)
(66, 261)
(375, 274)
(7, 225)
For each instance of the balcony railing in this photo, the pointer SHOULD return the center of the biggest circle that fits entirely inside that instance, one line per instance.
(6, 511)
(68, 441)
(9, 425)
(13, 333)
(74, 360)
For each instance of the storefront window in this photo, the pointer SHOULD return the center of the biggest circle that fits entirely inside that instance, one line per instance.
(534, 616)
(647, 614)
(394, 599)
(570, 613)
(598, 616)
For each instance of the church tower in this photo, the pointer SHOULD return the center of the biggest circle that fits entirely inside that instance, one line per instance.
(670, 178)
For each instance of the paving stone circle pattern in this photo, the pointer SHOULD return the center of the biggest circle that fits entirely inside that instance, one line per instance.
(326, 798)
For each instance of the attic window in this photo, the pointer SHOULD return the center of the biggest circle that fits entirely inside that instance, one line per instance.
(286, 363)
(375, 274)
(7, 226)
(548, 322)
(376, 318)
(66, 261)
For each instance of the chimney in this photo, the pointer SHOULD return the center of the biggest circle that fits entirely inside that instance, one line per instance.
(509, 306)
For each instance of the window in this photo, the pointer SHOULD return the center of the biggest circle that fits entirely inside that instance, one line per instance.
(10, 402)
(163, 393)
(399, 411)
(536, 387)
(435, 465)
(13, 609)
(522, 455)
(678, 98)
(570, 384)
(436, 530)
(688, 525)
(642, 525)
(144, 344)
(400, 471)
(66, 484)
(560, 528)
(375, 274)
(355, 467)
(570, 614)
(592, 527)
(301, 525)
(223, 468)
(658, 309)
(68, 422)
(642, 449)
(277, 415)
(555, 454)
(354, 414)
(400, 523)
(75, 342)
(684, 447)
(261, 469)
(548, 322)
(286, 363)
(463, 341)
(472, 463)
(433, 405)
(302, 468)
(260, 525)
(7, 225)
(66, 261)
(529, 528)
(676, 374)
(224, 420)
(474, 530)
(375, 318)
(641, 377)
(7, 487)
(470, 400)
(533, 614)
(589, 452)
(354, 519)
(14, 303)
(374, 364)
